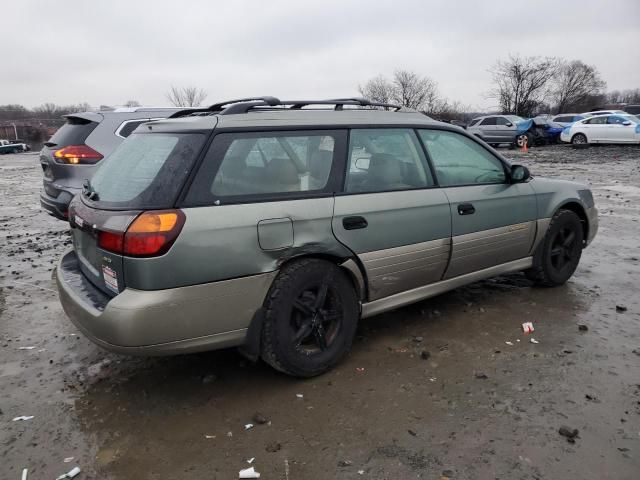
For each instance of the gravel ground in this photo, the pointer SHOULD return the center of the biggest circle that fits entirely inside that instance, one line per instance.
(429, 391)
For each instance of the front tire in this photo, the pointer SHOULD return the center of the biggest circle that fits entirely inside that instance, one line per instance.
(311, 315)
(520, 139)
(557, 257)
(579, 140)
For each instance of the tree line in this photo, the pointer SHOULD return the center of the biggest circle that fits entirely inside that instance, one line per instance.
(523, 86)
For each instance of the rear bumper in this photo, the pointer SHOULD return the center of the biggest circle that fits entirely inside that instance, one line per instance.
(161, 322)
(57, 206)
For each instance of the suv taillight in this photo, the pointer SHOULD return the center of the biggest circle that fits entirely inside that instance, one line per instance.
(151, 234)
(77, 155)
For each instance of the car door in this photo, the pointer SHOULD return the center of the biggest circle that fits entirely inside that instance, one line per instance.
(595, 128)
(617, 131)
(390, 213)
(492, 221)
(488, 127)
(505, 130)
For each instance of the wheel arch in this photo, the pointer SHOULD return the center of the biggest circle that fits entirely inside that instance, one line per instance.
(350, 265)
(577, 208)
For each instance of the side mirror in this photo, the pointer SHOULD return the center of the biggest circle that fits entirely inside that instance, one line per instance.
(626, 123)
(519, 174)
(509, 124)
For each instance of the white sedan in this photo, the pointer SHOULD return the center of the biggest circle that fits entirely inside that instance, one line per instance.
(616, 128)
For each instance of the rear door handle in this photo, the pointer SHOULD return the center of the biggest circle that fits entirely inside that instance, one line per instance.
(466, 209)
(354, 223)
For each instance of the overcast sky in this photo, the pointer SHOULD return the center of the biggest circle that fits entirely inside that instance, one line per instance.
(107, 52)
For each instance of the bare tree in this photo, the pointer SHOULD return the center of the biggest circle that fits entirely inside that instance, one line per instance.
(575, 84)
(406, 88)
(186, 96)
(132, 103)
(623, 96)
(522, 83)
(378, 89)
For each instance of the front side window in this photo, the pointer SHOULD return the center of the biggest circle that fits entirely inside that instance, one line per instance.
(266, 163)
(502, 121)
(386, 159)
(459, 160)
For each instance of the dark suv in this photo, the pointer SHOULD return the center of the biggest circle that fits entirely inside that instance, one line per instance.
(71, 155)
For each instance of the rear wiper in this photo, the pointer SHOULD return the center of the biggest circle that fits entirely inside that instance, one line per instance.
(88, 190)
(49, 144)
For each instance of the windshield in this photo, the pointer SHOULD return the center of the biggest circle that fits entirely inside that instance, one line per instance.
(145, 171)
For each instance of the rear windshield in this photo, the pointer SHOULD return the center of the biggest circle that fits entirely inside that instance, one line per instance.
(74, 132)
(146, 170)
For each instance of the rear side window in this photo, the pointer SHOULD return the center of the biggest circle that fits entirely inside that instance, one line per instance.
(127, 128)
(146, 171)
(382, 160)
(74, 132)
(258, 165)
(459, 160)
(563, 119)
(600, 120)
(489, 121)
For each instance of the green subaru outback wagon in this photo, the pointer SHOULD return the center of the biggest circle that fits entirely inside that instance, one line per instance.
(275, 226)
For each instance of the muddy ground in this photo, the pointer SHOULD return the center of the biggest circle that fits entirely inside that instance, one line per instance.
(476, 408)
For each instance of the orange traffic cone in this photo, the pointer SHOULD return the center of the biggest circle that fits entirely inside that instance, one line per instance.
(525, 148)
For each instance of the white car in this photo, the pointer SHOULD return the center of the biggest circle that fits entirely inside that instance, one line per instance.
(603, 129)
(604, 112)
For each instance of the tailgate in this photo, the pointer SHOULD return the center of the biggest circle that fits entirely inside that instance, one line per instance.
(102, 268)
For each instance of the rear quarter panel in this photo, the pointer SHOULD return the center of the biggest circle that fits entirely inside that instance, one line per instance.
(222, 242)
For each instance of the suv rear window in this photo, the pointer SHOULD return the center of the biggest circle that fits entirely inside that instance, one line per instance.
(146, 170)
(74, 132)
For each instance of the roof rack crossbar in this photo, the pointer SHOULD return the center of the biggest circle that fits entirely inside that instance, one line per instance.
(244, 107)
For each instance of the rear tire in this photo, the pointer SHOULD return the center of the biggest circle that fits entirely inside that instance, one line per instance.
(311, 315)
(579, 140)
(557, 257)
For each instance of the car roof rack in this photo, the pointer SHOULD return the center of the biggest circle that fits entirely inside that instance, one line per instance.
(244, 105)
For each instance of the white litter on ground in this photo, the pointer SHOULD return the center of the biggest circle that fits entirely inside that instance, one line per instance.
(250, 461)
(299, 395)
(22, 417)
(209, 436)
(509, 343)
(70, 474)
(527, 327)
(26, 348)
(24, 473)
(533, 340)
(248, 473)
(248, 426)
(229, 434)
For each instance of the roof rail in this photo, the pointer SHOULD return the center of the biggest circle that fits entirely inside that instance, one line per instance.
(244, 105)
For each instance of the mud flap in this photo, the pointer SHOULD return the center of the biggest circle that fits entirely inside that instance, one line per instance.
(251, 347)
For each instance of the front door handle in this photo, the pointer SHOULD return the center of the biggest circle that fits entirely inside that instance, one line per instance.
(466, 209)
(354, 223)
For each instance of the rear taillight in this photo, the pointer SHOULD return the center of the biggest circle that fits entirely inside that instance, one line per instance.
(151, 234)
(77, 155)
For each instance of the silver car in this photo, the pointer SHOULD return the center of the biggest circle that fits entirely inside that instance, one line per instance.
(501, 129)
(275, 226)
(73, 153)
